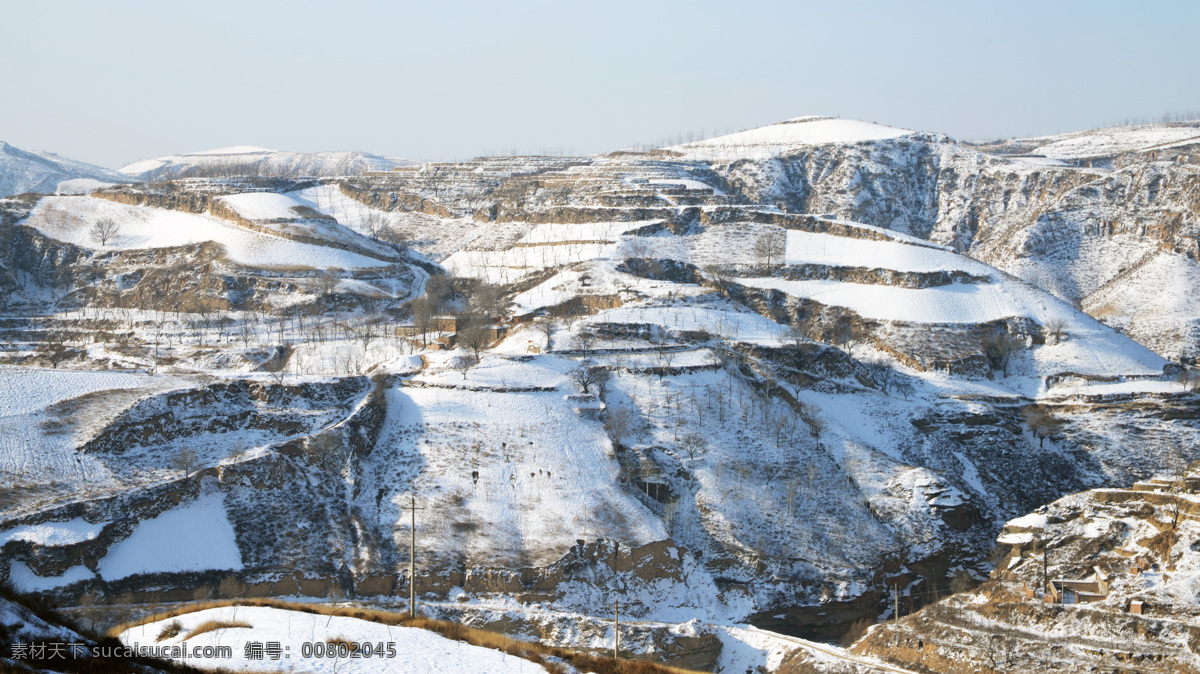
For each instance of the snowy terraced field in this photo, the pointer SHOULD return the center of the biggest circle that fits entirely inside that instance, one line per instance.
(810, 248)
(69, 219)
(195, 536)
(263, 205)
(32, 449)
(1096, 349)
(514, 264)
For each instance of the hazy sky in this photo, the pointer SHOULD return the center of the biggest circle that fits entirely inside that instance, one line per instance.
(114, 82)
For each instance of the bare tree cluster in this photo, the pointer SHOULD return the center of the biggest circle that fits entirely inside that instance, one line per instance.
(1042, 423)
(1056, 328)
(999, 347)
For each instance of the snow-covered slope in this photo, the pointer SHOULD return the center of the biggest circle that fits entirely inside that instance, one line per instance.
(257, 161)
(70, 219)
(1114, 141)
(47, 173)
(297, 634)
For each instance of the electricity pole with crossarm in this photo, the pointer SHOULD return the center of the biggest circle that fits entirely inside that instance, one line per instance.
(412, 558)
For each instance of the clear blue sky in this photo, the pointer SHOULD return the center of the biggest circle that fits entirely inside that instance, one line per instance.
(113, 82)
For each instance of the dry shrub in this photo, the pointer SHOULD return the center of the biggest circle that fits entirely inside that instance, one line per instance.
(170, 630)
(213, 625)
(856, 630)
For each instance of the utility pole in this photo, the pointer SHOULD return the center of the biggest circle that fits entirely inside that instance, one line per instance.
(616, 629)
(896, 589)
(1045, 577)
(412, 557)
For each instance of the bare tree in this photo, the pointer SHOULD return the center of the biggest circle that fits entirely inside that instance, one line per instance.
(422, 317)
(368, 332)
(184, 460)
(104, 230)
(769, 248)
(547, 328)
(326, 284)
(1042, 423)
(476, 336)
(585, 339)
(883, 375)
(1189, 379)
(999, 347)
(54, 349)
(484, 300)
(374, 223)
(720, 276)
(846, 333)
(620, 423)
(587, 374)
(463, 364)
(693, 443)
(799, 329)
(394, 236)
(1056, 327)
(245, 333)
(816, 425)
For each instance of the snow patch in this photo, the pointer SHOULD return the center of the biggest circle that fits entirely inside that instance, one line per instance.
(73, 531)
(194, 537)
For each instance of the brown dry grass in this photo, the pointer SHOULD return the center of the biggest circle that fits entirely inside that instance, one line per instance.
(534, 652)
(170, 630)
(214, 625)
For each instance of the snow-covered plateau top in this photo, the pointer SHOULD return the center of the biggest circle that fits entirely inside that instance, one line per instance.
(1104, 142)
(776, 139)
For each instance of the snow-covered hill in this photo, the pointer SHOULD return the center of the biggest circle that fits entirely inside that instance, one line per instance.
(766, 387)
(47, 173)
(245, 160)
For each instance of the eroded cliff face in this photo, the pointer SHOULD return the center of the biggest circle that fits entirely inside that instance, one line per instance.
(1103, 579)
(1085, 229)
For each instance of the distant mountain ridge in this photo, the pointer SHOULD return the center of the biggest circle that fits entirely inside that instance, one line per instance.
(45, 172)
(245, 160)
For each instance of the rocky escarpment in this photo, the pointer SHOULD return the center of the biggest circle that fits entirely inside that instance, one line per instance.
(1102, 579)
(1077, 228)
(225, 407)
(891, 184)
